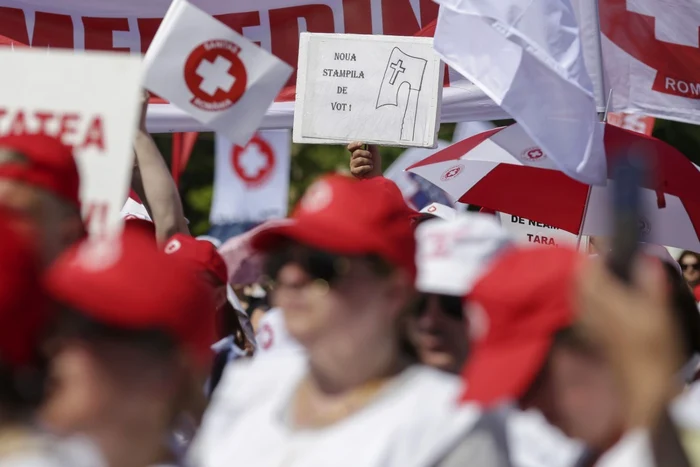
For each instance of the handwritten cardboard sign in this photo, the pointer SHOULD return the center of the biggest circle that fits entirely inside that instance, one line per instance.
(377, 89)
(91, 100)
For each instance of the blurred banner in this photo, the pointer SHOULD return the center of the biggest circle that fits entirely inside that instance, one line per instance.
(634, 122)
(251, 183)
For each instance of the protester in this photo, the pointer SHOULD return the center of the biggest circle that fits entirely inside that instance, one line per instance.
(355, 397)
(132, 338)
(690, 264)
(451, 256)
(25, 316)
(39, 178)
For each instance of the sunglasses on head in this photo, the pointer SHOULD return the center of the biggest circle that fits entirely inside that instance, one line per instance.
(694, 267)
(319, 264)
(450, 305)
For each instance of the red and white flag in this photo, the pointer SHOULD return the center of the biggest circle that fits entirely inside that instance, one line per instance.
(651, 56)
(251, 182)
(212, 72)
(527, 56)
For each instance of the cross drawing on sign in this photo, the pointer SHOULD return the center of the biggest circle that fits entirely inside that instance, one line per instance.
(253, 161)
(215, 75)
(397, 68)
(681, 33)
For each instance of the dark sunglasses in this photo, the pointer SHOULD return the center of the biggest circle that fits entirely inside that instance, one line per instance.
(449, 304)
(319, 264)
(694, 267)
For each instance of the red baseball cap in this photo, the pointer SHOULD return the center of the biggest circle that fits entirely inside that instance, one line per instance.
(343, 215)
(128, 283)
(24, 310)
(200, 254)
(50, 165)
(514, 311)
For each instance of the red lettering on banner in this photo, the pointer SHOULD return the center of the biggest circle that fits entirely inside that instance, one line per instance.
(71, 128)
(99, 33)
(18, 125)
(67, 127)
(238, 21)
(147, 29)
(284, 25)
(358, 16)
(43, 118)
(13, 25)
(95, 135)
(51, 30)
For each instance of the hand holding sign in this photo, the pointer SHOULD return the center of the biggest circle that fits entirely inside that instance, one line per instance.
(364, 163)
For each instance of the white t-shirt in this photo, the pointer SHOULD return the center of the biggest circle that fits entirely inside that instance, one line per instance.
(46, 451)
(413, 422)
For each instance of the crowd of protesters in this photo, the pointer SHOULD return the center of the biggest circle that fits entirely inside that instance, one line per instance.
(357, 332)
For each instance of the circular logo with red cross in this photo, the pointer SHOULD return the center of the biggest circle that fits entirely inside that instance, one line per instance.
(452, 172)
(255, 162)
(432, 208)
(215, 75)
(661, 37)
(533, 154)
(266, 336)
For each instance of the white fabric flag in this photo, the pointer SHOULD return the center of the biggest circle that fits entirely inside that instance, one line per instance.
(251, 182)
(212, 72)
(527, 56)
(651, 56)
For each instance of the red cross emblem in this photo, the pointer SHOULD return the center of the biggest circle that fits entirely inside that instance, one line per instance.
(451, 173)
(534, 154)
(255, 162)
(215, 75)
(662, 36)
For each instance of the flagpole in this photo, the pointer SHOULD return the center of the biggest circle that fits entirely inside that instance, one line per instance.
(583, 219)
(596, 7)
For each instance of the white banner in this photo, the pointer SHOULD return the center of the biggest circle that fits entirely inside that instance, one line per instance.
(92, 102)
(651, 56)
(251, 183)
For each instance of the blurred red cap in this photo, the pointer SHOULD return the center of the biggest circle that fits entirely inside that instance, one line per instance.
(200, 254)
(345, 216)
(515, 310)
(24, 310)
(128, 283)
(50, 165)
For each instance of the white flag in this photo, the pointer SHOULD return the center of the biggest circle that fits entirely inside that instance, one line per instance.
(251, 182)
(651, 56)
(212, 72)
(527, 56)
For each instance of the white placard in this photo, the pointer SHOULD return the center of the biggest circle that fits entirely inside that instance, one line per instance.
(529, 232)
(376, 89)
(251, 182)
(213, 73)
(91, 100)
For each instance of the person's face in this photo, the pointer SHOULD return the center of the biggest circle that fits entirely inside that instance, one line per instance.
(122, 386)
(54, 234)
(438, 332)
(691, 269)
(357, 306)
(584, 398)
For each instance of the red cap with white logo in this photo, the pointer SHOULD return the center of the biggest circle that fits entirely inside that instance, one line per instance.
(346, 216)
(515, 310)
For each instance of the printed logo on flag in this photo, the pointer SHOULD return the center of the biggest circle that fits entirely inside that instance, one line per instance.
(662, 36)
(266, 336)
(452, 172)
(215, 75)
(255, 162)
(533, 154)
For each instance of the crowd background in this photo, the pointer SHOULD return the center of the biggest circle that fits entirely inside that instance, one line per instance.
(311, 161)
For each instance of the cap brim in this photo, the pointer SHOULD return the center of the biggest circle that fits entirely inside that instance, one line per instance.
(496, 374)
(331, 238)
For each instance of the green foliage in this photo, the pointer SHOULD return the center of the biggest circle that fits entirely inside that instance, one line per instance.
(311, 161)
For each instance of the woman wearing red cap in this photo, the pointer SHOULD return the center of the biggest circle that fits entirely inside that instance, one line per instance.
(344, 271)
